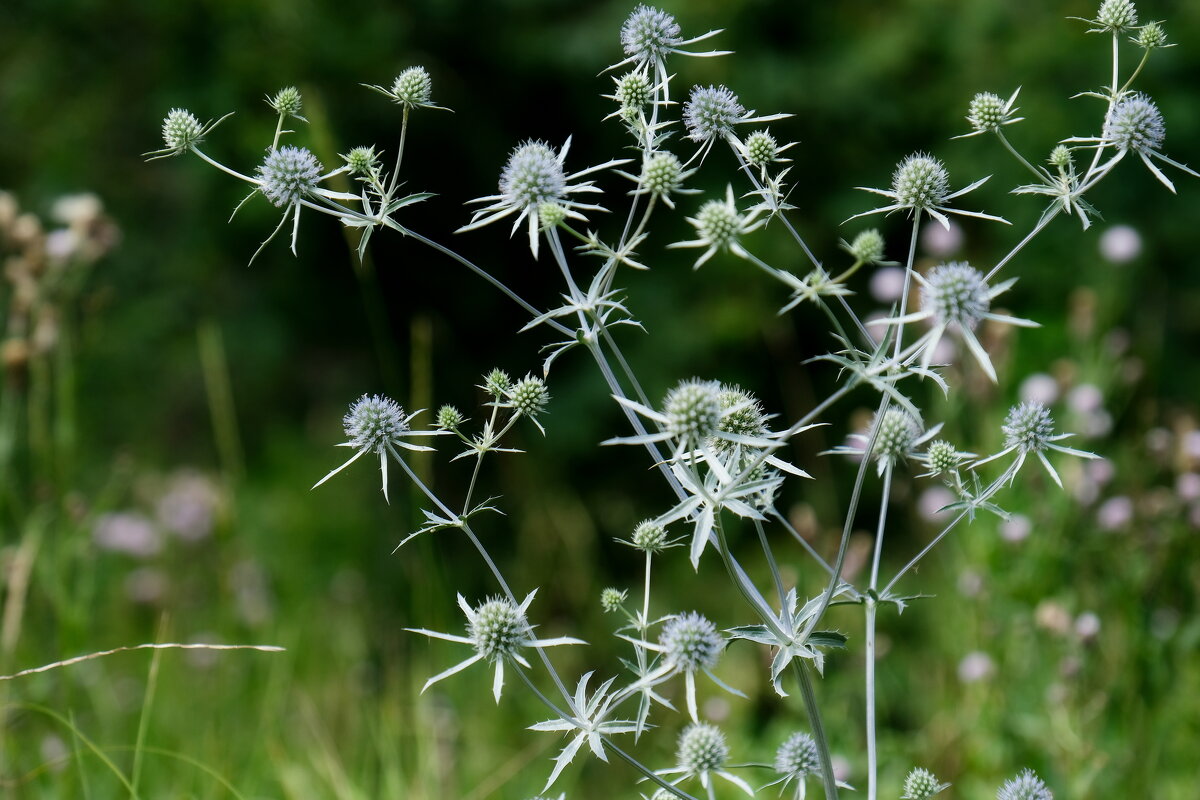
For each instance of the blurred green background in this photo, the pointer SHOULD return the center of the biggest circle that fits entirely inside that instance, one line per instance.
(165, 416)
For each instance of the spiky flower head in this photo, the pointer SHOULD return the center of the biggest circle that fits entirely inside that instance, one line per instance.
(1028, 427)
(702, 748)
(921, 182)
(867, 247)
(1026, 786)
(374, 422)
(1135, 123)
(181, 130)
(797, 756)
(718, 223)
(691, 642)
(1116, 16)
(649, 33)
(529, 396)
(957, 294)
(1060, 157)
(1151, 35)
(288, 175)
(649, 536)
(611, 599)
(662, 174)
(497, 383)
(942, 458)
(742, 413)
(362, 161)
(761, 148)
(921, 784)
(711, 112)
(693, 410)
(449, 418)
(286, 102)
(498, 629)
(987, 112)
(550, 215)
(633, 90)
(413, 87)
(533, 175)
(897, 431)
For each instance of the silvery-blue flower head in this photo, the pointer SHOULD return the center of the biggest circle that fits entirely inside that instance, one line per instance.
(533, 175)
(797, 757)
(691, 642)
(702, 748)
(921, 181)
(649, 33)
(957, 294)
(1135, 123)
(288, 175)
(498, 629)
(711, 112)
(693, 410)
(1028, 427)
(1026, 786)
(373, 422)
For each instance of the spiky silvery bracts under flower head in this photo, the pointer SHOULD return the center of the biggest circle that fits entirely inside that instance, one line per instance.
(702, 748)
(287, 102)
(649, 33)
(691, 642)
(529, 396)
(449, 418)
(633, 90)
(611, 599)
(288, 175)
(867, 247)
(362, 161)
(1026, 786)
(897, 432)
(498, 629)
(533, 175)
(649, 536)
(921, 784)
(693, 410)
(181, 130)
(761, 148)
(1028, 427)
(797, 757)
(1135, 123)
(1151, 35)
(413, 87)
(1116, 16)
(921, 182)
(373, 422)
(957, 294)
(711, 112)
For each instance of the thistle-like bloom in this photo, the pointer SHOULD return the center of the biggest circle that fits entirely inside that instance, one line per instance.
(662, 175)
(1151, 36)
(289, 175)
(921, 784)
(1114, 16)
(711, 112)
(956, 297)
(898, 435)
(1136, 125)
(942, 458)
(181, 131)
(528, 397)
(921, 183)
(498, 630)
(413, 88)
(1026, 786)
(534, 175)
(987, 113)
(377, 424)
(649, 35)
(1029, 429)
(702, 753)
(287, 102)
(720, 226)
(795, 760)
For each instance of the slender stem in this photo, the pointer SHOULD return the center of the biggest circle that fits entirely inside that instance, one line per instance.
(644, 623)
(1042, 223)
(870, 605)
(818, 729)
(1004, 141)
(908, 272)
(222, 167)
(1136, 72)
(395, 182)
(646, 771)
(808, 548)
(766, 547)
(278, 131)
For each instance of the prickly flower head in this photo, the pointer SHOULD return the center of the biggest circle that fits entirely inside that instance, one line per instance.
(921, 181)
(413, 87)
(690, 642)
(719, 224)
(662, 174)
(1028, 427)
(287, 102)
(289, 174)
(611, 599)
(649, 33)
(921, 784)
(702, 748)
(1026, 786)
(942, 458)
(986, 112)
(957, 294)
(761, 148)
(867, 247)
(633, 90)
(797, 757)
(498, 629)
(1060, 157)
(361, 161)
(897, 432)
(693, 410)
(1135, 123)
(1152, 35)
(649, 536)
(497, 383)
(711, 112)
(373, 422)
(533, 175)
(181, 130)
(529, 396)
(1117, 16)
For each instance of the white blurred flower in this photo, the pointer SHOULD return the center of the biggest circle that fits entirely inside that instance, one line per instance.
(887, 284)
(1039, 388)
(942, 242)
(1115, 513)
(975, 667)
(127, 532)
(1120, 244)
(1016, 528)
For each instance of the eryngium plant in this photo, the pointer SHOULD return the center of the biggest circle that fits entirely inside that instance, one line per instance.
(713, 444)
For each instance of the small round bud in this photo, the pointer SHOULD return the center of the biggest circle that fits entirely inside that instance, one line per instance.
(921, 182)
(662, 174)
(449, 418)
(649, 536)
(897, 432)
(1117, 16)
(374, 422)
(529, 396)
(611, 599)
(633, 90)
(986, 112)
(797, 757)
(533, 175)
(711, 112)
(719, 224)
(649, 33)
(690, 642)
(551, 215)
(942, 458)
(921, 784)
(867, 247)
(761, 148)
(362, 161)
(288, 175)
(181, 130)
(497, 629)
(286, 102)
(702, 748)
(1028, 427)
(1026, 786)
(497, 383)
(1135, 123)
(1151, 35)
(693, 411)
(1060, 157)
(957, 294)
(413, 87)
